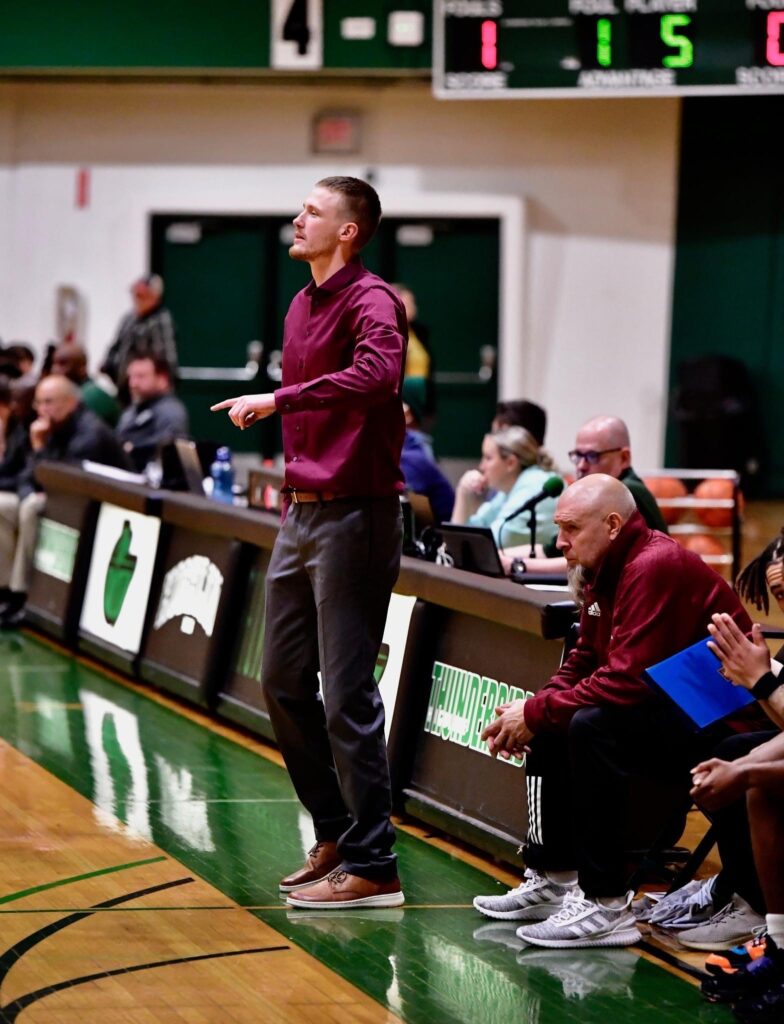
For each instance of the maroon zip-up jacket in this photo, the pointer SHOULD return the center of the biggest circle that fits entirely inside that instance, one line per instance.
(650, 599)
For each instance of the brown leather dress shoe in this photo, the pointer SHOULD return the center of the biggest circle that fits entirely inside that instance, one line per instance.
(322, 859)
(342, 891)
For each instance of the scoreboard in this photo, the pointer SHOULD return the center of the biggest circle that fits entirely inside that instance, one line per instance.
(515, 48)
(236, 39)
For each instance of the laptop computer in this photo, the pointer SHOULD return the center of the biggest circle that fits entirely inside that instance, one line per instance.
(471, 548)
(181, 466)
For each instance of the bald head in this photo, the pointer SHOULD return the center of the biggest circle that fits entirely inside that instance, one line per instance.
(602, 446)
(590, 514)
(56, 397)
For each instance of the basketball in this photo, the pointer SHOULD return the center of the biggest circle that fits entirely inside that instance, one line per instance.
(702, 544)
(667, 487)
(715, 489)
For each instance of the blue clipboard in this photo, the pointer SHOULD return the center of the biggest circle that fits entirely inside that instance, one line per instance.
(693, 680)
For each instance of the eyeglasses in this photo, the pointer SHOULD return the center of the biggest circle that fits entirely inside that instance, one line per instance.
(590, 457)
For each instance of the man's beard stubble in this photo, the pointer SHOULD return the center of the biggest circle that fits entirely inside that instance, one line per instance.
(576, 579)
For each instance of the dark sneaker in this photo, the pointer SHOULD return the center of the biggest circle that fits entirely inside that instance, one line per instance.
(739, 957)
(533, 900)
(767, 1008)
(322, 859)
(763, 974)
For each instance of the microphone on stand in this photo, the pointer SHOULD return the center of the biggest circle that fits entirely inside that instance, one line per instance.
(551, 488)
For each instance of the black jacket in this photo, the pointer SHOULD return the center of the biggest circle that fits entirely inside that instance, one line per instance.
(82, 436)
(17, 455)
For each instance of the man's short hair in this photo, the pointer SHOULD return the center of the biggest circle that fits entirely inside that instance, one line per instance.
(522, 413)
(18, 350)
(152, 281)
(361, 202)
(160, 363)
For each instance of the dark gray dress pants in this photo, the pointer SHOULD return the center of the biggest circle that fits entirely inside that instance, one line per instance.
(328, 586)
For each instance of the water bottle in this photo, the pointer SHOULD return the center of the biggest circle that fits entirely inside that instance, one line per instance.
(222, 473)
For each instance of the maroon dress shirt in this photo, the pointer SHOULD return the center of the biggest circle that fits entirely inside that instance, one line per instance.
(344, 350)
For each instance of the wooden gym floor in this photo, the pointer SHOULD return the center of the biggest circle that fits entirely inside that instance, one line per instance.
(140, 848)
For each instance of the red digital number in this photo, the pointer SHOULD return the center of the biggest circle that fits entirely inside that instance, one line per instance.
(773, 51)
(489, 45)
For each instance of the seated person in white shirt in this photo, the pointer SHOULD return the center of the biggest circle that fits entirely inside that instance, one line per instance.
(513, 468)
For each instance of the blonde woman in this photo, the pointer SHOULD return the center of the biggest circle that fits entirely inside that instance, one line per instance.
(512, 469)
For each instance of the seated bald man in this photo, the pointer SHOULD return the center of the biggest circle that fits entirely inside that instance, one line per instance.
(602, 445)
(596, 721)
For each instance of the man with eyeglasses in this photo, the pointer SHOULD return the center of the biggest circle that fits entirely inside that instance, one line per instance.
(602, 445)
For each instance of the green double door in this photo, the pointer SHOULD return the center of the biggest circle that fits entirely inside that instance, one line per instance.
(229, 282)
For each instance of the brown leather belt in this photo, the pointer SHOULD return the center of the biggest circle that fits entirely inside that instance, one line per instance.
(304, 497)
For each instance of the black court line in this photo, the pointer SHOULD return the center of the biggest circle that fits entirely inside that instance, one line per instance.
(15, 953)
(672, 960)
(9, 1013)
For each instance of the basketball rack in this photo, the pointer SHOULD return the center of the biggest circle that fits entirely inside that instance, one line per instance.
(730, 561)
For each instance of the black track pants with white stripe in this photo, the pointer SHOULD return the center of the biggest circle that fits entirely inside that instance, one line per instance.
(578, 787)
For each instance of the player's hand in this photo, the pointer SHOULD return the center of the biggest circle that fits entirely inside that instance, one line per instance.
(247, 409)
(40, 429)
(717, 783)
(473, 483)
(743, 661)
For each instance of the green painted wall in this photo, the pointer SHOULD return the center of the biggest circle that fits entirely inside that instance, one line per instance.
(728, 296)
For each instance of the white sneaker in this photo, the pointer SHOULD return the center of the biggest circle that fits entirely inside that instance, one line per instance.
(535, 899)
(600, 970)
(733, 924)
(581, 923)
(503, 934)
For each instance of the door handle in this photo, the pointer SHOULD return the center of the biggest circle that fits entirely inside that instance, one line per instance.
(487, 360)
(247, 372)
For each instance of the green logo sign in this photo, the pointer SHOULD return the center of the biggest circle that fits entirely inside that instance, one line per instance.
(119, 574)
(462, 703)
(55, 549)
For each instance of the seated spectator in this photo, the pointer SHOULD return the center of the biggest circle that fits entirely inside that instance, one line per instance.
(155, 417)
(727, 908)
(756, 781)
(63, 431)
(514, 467)
(596, 722)
(419, 467)
(70, 360)
(17, 449)
(18, 359)
(147, 330)
(602, 445)
(519, 412)
(5, 410)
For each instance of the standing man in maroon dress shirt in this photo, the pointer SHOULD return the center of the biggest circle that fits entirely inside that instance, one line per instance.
(337, 555)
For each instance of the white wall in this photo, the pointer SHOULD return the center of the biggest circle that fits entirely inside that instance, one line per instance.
(599, 178)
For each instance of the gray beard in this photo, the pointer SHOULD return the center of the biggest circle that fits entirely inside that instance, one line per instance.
(576, 579)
